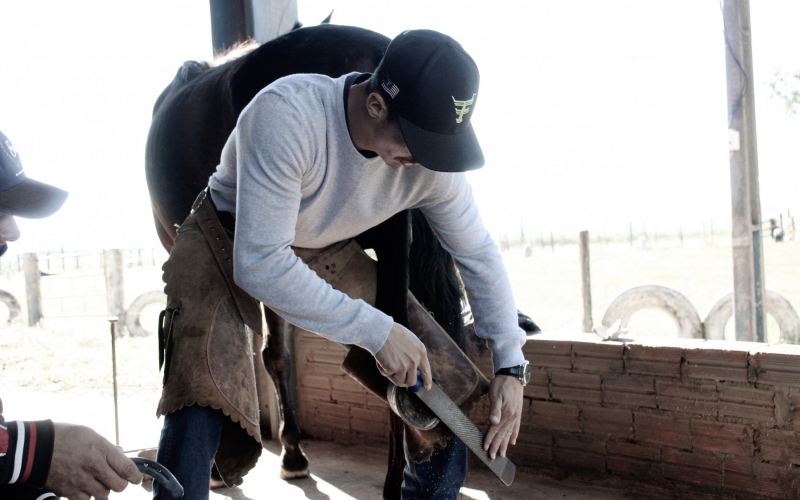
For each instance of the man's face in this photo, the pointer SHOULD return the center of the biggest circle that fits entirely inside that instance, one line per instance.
(9, 231)
(391, 146)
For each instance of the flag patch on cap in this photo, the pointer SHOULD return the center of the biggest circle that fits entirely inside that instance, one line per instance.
(390, 88)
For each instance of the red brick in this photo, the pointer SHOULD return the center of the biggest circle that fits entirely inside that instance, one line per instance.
(602, 357)
(695, 468)
(314, 394)
(358, 398)
(659, 360)
(740, 394)
(687, 397)
(568, 386)
(637, 451)
(751, 413)
(768, 480)
(607, 423)
(777, 365)
(779, 447)
(315, 382)
(546, 351)
(629, 392)
(529, 454)
(347, 384)
(554, 416)
(580, 453)
(663, 430)
(534, 437)
(738, 465)
(327, 356)
(538, 387)
(717, 437)
(717, 360)
(632, 467)
(322, 369)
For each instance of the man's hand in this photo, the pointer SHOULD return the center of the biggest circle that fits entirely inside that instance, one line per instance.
(401, 356)
(505, 399)
(86, 465)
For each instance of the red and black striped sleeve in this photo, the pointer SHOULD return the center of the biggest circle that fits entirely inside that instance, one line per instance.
(26, 449)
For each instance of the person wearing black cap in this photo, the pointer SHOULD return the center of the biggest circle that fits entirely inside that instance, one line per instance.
(315, 161)
(40, 460)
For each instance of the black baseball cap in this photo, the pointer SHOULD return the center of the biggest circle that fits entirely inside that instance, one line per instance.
(433, 84)
(20, 195)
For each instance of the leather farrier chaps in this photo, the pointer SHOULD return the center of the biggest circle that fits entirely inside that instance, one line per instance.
(208, 327)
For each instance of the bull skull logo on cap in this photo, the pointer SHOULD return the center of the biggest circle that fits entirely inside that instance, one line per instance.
(462, 108)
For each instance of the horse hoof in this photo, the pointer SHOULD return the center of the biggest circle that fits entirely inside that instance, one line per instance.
(216, 483)
(294, 474)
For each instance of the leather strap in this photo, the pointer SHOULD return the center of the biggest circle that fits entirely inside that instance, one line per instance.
(222, 248)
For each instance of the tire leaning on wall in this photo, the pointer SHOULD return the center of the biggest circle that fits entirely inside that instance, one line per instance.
(132, 322)
(676, 304)
(780, 309)
(12, 303)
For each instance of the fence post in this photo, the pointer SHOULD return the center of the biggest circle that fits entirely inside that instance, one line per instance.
(33, 291)
(586, 283)
(112, 260)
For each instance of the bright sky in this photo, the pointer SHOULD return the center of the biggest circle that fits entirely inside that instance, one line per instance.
(591, 113)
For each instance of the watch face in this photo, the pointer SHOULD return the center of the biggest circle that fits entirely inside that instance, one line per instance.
(526, 373)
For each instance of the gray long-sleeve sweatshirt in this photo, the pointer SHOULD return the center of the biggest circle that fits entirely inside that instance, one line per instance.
(292, 176)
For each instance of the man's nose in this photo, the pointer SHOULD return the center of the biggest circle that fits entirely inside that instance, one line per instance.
(9, 231)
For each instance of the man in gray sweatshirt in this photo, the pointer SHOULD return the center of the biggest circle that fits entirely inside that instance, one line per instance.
(314, 161)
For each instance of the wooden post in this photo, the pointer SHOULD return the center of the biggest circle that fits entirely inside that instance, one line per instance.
(630, 228)
(115, 295)
(748, 259)
(33, 291)
(586, 282)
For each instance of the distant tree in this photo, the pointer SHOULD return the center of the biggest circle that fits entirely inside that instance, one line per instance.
(787, 87)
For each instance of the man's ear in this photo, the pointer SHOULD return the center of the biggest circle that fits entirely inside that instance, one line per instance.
(376, 106)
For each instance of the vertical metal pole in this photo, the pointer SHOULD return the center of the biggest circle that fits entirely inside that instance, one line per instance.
(748, 259)
(113, 322)
(33, 291)
(586, 282)
(229, 23)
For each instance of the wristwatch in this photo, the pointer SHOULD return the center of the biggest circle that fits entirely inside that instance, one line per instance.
(522, 372)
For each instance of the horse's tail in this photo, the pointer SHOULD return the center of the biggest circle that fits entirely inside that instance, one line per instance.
(435, 282)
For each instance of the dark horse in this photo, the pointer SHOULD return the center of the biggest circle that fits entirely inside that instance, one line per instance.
(193, 118)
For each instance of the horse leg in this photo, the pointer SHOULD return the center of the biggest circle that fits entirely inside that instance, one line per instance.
(397, 459)
(294, 463)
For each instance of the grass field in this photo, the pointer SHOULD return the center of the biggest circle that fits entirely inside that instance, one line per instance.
(547, 285)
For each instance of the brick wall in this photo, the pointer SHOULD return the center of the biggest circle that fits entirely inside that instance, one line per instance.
(331, 405)
(703, 417)
(690, 417)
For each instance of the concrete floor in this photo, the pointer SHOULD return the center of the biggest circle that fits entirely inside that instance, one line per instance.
(341, 472)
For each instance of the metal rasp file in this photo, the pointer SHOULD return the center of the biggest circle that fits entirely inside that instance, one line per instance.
(462, 426)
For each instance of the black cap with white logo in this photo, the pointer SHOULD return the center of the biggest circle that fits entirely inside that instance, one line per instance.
(433, 84)
(21, 196)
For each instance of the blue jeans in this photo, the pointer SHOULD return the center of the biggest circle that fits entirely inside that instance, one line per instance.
(189, 442)
(440, 478)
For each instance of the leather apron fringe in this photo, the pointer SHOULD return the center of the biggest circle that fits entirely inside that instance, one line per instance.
(209, 348)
